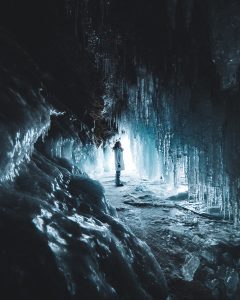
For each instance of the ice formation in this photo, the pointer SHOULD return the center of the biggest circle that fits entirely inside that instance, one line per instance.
(60, 238)
(168, 76)
(83, 244)
(179, 95)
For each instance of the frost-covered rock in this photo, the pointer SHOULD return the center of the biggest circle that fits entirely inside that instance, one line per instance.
(25, 114)
(61, 238)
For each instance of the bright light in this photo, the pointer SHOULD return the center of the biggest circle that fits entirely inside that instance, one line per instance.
(182, 189)
(127, 154)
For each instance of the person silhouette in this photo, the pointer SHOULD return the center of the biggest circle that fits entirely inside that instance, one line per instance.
(119, 163)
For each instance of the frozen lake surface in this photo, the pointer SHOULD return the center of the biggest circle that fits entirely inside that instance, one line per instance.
(199, 254)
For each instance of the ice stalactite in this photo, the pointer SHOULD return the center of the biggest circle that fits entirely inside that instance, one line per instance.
(185, 151)
(64, 142)
(176, 83)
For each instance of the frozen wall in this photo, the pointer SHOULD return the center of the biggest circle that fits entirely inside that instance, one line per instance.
(25, 115)
(60, 238)
(173, 71)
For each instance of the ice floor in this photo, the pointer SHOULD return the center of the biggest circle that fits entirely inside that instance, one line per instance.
(200, 255)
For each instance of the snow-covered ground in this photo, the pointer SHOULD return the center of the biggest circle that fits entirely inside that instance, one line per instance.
(199, 254)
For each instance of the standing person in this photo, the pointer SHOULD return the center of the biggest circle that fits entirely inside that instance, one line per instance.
(119, 163)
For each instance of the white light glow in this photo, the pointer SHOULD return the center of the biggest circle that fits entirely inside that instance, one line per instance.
(182, 189)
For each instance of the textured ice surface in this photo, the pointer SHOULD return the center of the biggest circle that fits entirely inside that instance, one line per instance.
(60, 238)
(199, 255)
(25, 115)
(91, 253)
(190, 267)
(182, 106)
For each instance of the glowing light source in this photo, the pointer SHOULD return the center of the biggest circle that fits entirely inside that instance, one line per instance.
(182, 189)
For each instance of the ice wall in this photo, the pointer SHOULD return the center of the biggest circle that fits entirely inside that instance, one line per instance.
(60, 238)
(69, 138)
(173, 71)
(25, 115)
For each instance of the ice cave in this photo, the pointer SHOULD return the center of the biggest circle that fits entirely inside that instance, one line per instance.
(86, 85)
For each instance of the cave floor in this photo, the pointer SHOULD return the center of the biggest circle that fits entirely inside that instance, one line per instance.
(199, 256)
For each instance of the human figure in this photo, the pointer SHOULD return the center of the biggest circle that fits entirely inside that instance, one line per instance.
(119, 163)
